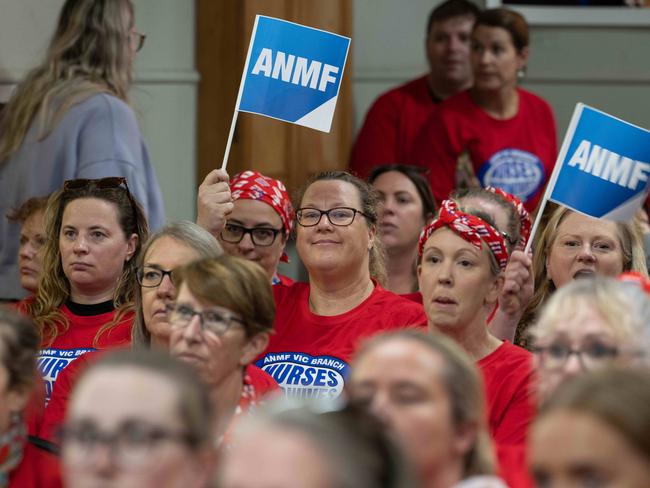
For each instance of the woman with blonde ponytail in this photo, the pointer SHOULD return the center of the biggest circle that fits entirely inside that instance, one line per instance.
(70, 118)
(85, 299)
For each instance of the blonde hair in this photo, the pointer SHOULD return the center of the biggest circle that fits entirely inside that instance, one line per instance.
(54, 287)
(88, 54)
(462, 383)
(630, 240)
(624, 306)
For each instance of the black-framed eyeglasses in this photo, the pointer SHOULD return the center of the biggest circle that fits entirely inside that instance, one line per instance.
(339, 216)
(261, 236)
(138, 44)
(214, 321)
(131, 444)
(592, 356)
(151, 276)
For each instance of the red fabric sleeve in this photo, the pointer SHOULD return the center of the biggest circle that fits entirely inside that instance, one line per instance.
(509, 386)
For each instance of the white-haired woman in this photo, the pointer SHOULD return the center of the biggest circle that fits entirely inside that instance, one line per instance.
(587, 325)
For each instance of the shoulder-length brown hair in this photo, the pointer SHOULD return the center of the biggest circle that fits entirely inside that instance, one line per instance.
(54, 287)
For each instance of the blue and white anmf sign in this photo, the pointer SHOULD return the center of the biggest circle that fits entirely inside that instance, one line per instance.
(604, 166)
(293, 73)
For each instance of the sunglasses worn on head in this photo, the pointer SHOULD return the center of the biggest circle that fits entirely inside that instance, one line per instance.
(101, 183)
(110, 182)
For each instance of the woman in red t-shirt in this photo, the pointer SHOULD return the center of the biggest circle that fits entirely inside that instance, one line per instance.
(220, 322)
(319, 324)
(495, 133)
(407, 206)
(175, 245)
(463, 258)
(85, 296)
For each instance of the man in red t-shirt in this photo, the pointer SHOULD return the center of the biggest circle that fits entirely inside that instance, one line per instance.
(395, 118)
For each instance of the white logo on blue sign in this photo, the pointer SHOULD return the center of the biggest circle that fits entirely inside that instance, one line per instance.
(293, 73)
(298, 71)
(515, 171)
(604, 166)
(301, 375)
(608, 165)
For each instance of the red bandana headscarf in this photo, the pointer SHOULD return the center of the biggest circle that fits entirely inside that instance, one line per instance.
(471, 228)
(251, 185)
(524, 216)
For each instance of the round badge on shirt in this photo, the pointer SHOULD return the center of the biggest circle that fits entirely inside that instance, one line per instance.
(301, 375)
(515, 171)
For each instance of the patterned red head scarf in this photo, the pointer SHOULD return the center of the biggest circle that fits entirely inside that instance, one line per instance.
(251, 185)
(524, 216)
(471, 228)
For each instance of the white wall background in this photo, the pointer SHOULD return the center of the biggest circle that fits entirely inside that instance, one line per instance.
(607, 66)
(164, 94)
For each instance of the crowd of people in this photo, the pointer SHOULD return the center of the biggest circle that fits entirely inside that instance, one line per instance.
(426, 348)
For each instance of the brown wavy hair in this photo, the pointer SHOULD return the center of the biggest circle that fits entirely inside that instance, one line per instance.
(87, 55)
(54, 287)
